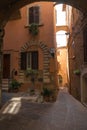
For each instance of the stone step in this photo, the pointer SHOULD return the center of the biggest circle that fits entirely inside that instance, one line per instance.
(21, 76)
(46, 53)
(21, 80)
(46, 73)
(46, 80)
(5, 84)
(46, 62)
(45, 76)
(45, 49)
(46, 66)
(46, 58)
(21, 72)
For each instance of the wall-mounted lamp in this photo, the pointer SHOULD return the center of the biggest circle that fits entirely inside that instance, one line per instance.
(67, 33)
(52, 51)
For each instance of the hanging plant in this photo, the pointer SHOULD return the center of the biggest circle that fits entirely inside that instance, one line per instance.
(33, 29)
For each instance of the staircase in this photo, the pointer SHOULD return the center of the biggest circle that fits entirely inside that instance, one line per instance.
(5, 84)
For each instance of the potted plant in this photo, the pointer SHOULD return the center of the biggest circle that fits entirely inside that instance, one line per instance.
(32, 74)
(46, 93)
(14, 85)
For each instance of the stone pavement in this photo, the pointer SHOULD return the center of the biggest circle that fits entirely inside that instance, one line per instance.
(65, 114)
(8, 96)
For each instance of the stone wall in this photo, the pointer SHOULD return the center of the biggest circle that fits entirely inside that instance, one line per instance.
(76, 54)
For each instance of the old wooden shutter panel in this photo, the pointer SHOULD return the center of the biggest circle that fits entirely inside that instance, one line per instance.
(31, 15)
(34, 15)
(35, 60)
(23, 60)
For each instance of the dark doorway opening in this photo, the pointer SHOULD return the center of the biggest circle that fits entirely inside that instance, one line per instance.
(6, 66)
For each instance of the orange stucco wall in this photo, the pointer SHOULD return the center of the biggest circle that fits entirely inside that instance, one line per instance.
(62, 60)
(16, 35)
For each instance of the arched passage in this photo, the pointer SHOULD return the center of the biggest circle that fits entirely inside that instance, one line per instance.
(14, 5)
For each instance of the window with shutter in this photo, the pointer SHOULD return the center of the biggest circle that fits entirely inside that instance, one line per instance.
(29, 60)
(34, 15)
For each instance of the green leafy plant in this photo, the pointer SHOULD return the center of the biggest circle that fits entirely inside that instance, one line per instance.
(49, 94)
(77, 72)
(33, 29)
(15, 84)
(46, 92)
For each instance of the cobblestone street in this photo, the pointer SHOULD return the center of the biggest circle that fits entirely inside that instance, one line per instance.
(65, 114)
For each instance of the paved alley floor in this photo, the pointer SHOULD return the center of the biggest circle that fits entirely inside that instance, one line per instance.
(65, 114)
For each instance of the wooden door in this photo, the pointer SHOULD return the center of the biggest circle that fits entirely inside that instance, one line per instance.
(6, 66)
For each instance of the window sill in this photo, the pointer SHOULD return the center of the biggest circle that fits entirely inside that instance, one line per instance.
(39, 25)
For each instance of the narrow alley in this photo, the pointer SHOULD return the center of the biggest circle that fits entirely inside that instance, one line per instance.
(65, 114)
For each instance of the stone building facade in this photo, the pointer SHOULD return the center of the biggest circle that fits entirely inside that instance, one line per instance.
(18, 40)
(77, 49)
(23, 50)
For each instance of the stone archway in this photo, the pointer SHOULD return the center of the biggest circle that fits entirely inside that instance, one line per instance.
(46, 62)
(18, 4)
(15, 5)
(64, 28)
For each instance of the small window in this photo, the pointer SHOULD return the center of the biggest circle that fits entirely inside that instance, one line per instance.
(33, 15)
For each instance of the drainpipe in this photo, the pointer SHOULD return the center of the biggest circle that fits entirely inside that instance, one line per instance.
(1, 62)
